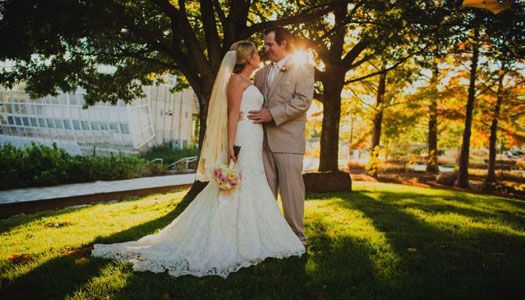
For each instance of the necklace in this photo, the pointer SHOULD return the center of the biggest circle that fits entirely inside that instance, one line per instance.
(245, 77)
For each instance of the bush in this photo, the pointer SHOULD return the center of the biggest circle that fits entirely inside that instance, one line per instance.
(169, 155)
(40, 165)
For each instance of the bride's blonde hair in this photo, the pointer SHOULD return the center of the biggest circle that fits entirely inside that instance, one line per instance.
(245, 49)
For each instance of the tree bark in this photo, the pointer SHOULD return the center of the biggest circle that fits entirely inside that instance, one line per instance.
(378, 122)
(378, 119)
(432, 161)
(462, 180)
(491, 174)
(329, 154)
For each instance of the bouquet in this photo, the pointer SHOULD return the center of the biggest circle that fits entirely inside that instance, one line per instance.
(227, 176)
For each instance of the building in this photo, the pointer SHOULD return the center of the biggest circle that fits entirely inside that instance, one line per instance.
(161, 117)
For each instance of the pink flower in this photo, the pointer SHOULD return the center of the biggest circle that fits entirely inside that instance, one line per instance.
(228, 178)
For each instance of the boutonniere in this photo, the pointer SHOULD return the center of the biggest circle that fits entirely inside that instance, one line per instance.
(284, 69)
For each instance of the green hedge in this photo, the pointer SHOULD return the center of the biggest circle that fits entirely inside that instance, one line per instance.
(40, 165)
(169, 155)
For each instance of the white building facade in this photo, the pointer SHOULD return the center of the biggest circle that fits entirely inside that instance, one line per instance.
(161, 117)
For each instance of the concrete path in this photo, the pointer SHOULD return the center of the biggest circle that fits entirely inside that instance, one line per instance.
(38, 198)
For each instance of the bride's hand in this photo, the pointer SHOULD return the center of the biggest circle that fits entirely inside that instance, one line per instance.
(231, 155)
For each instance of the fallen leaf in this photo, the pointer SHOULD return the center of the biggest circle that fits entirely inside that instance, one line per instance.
(81, 261)
(18, 258)
(84, 251)
(411, 250)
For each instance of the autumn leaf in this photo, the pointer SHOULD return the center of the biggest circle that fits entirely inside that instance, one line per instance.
(18, 258)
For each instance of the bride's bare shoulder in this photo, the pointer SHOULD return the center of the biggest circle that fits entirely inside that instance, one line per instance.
(238, 82)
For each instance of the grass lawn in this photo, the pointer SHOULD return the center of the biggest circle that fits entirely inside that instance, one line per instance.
(379, 241)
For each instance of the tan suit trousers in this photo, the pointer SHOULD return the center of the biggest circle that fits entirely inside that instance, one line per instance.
(284, 172)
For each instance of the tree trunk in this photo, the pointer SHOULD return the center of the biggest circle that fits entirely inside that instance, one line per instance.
(328, 160)
(491, 174)
(432, 161)
(203, 96)
(465, 146)
(378, 122)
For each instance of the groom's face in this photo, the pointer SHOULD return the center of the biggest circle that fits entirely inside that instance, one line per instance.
(274, 51)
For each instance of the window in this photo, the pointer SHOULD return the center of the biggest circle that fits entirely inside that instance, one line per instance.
(25, 121)
(124, 128)
(18, 121)
(103, 125)
(50, 123)
(58, 123)
(23, 108)
(95, 126)
(113, 126)
(67, 125)
(33, 122)
(76, 125)
(38, 109)
(85, 125)
(10, 120)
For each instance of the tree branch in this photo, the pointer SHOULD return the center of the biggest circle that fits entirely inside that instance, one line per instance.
(146, 59)
(180, 22)
(361, 61)
(354, 53)
(299, 18)
(210, 33)
(220, 12)
(343, 23)
(381, 71)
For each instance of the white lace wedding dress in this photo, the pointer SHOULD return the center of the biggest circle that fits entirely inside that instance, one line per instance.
(219, 233)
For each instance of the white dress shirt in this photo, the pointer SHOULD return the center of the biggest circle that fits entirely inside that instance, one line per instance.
(275, 68)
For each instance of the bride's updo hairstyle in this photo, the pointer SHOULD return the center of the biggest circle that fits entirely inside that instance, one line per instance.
(245, 49)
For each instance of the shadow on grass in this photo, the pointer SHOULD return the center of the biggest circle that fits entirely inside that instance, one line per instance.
(270, 279)
(445, 264)
(20, 220)
(61, 276)
(55, 279)
(459, 203)
(136, 232)
(64, 276)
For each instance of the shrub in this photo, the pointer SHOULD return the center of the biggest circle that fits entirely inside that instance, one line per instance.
(40, 165)
(169, 155)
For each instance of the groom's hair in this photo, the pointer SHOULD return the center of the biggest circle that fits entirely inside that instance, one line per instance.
(281, 34)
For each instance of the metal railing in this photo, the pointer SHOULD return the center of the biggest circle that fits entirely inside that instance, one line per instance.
(157, 159)
(184, 164)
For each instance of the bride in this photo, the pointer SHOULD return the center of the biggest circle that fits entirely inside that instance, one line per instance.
(221, 232)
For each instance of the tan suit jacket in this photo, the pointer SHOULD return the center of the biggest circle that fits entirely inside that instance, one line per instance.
(288, 98)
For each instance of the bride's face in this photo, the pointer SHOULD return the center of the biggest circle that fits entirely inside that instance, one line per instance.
(255, 59)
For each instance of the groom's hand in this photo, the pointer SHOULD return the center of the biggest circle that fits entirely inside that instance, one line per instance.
(260, 116)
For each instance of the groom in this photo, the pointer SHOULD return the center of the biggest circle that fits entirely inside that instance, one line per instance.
(287, 85)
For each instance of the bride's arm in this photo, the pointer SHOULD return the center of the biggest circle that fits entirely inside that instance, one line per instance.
(236, 87)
